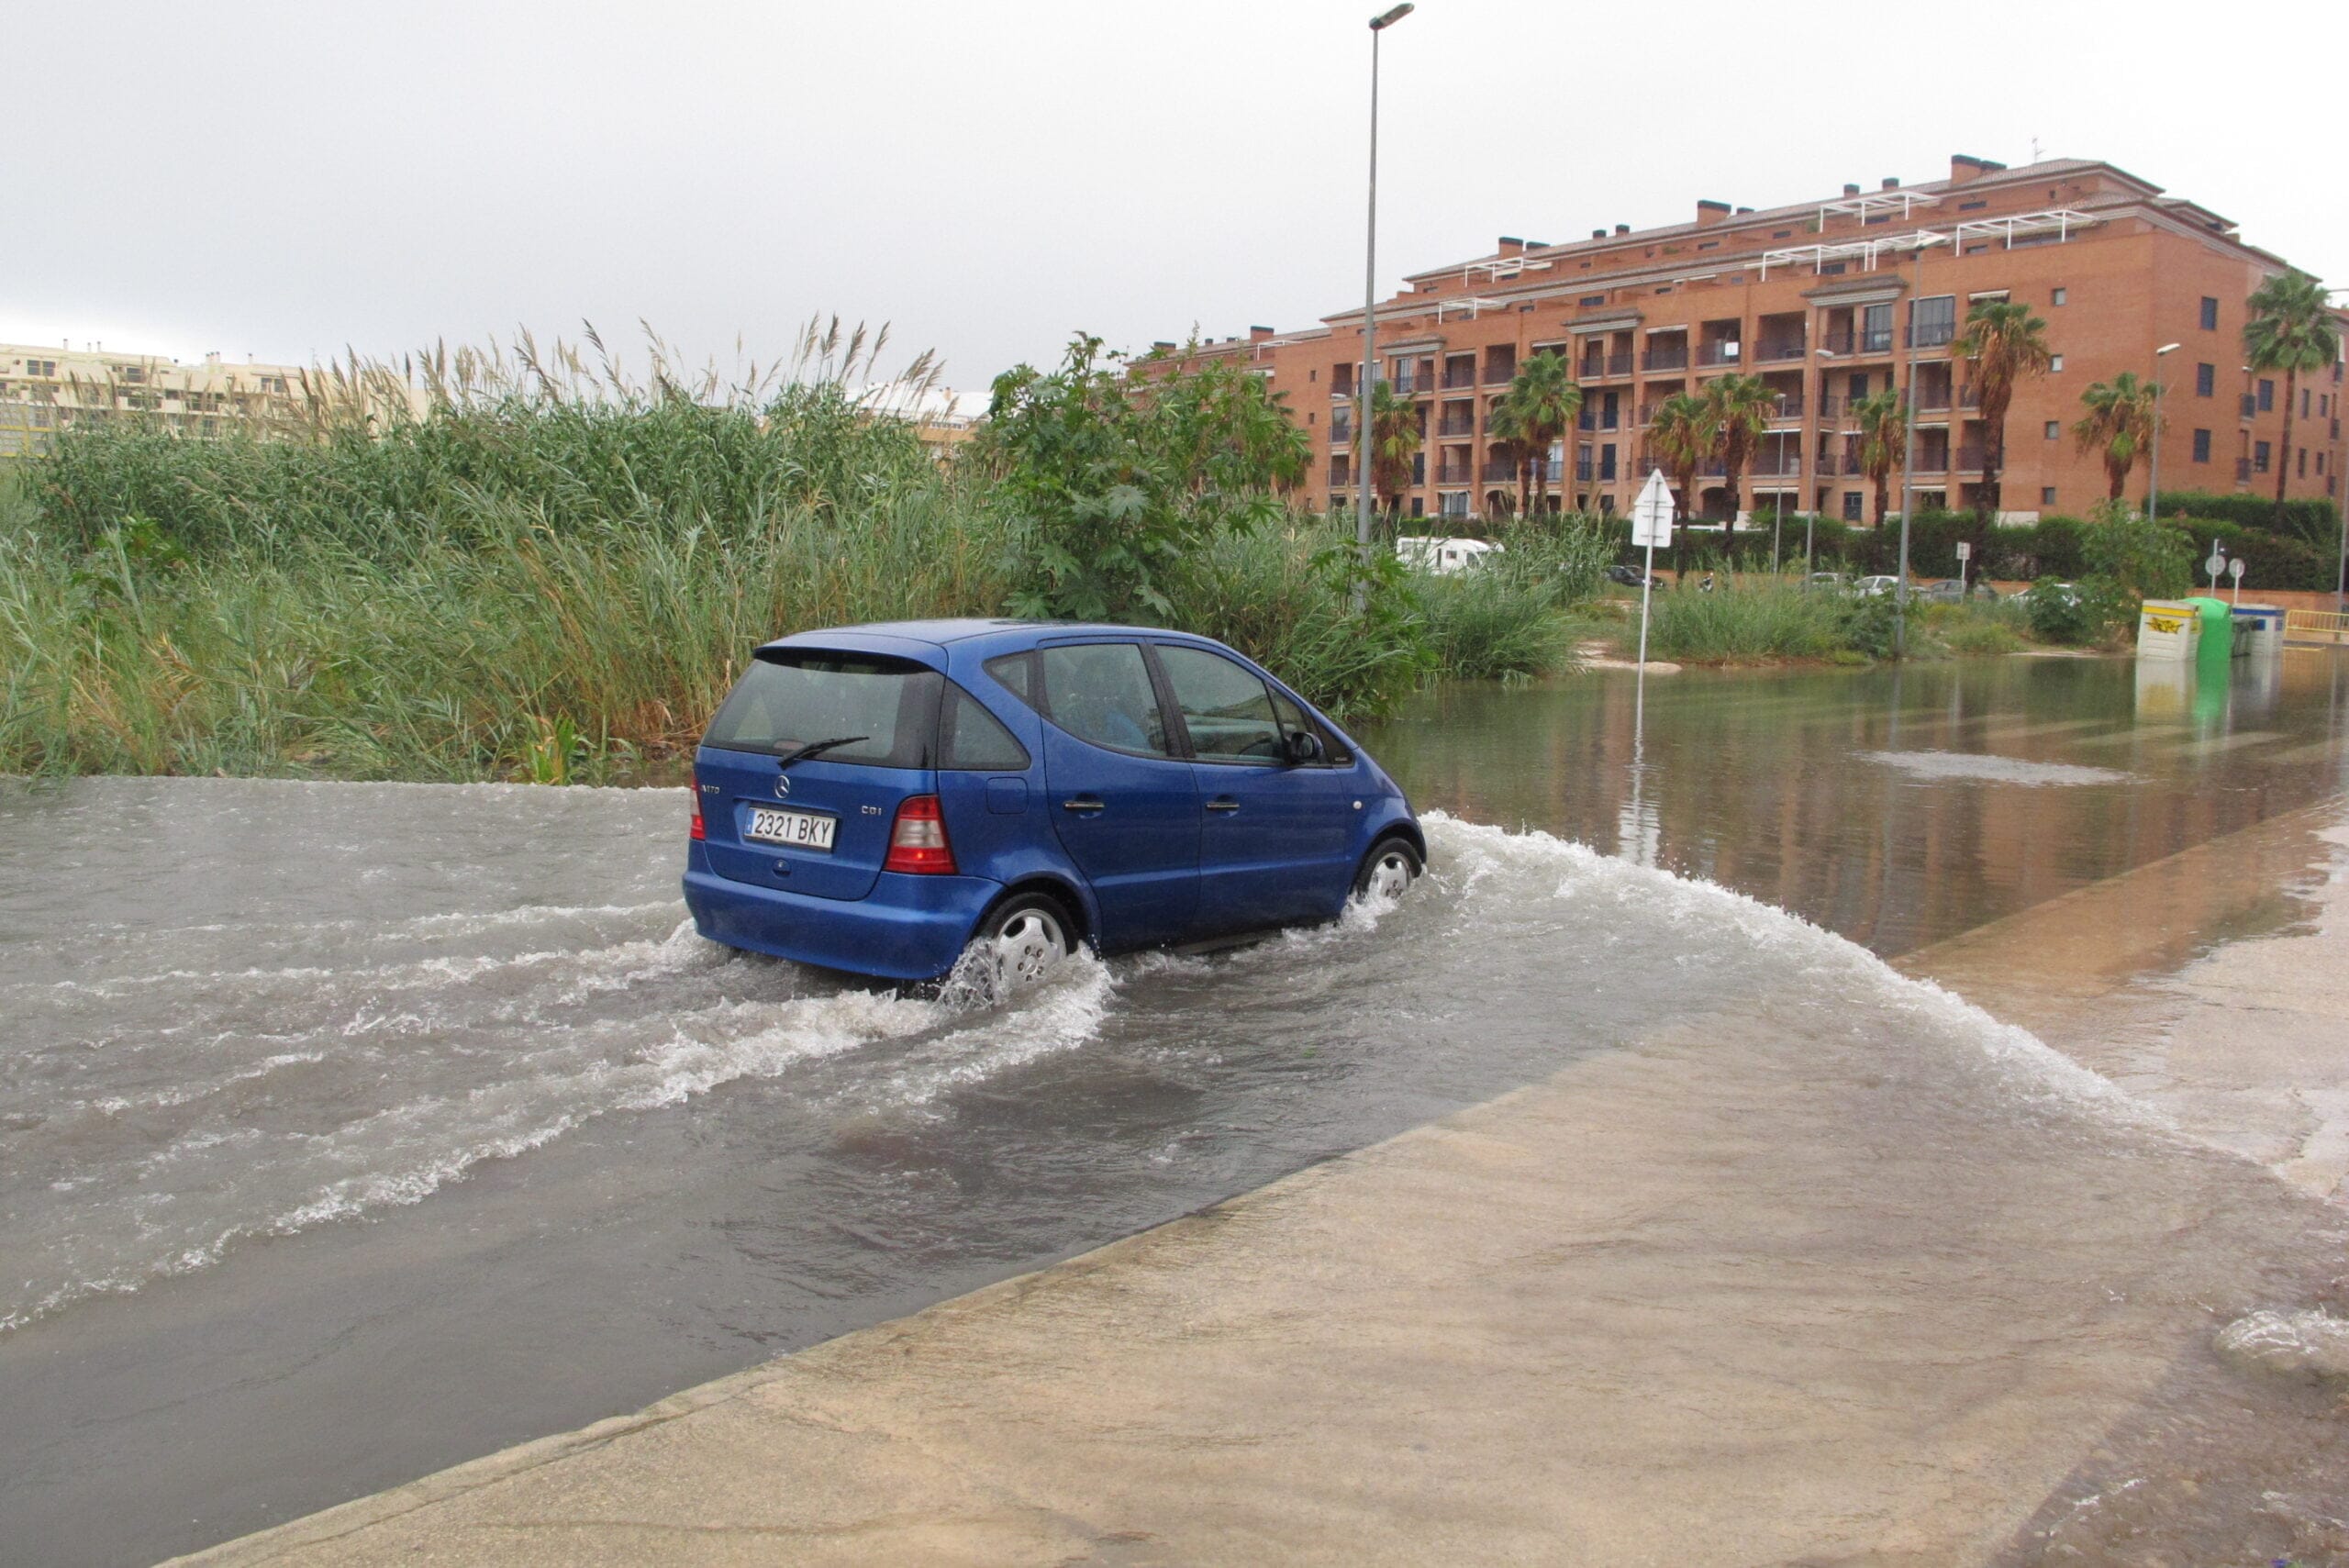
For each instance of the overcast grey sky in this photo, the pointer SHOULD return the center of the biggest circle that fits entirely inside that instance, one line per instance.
(282, 180)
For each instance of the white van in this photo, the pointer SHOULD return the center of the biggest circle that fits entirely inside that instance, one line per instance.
(1443, 556)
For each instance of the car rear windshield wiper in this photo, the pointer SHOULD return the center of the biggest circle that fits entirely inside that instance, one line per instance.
(816, 748)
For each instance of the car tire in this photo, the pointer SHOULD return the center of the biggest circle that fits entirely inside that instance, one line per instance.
(1388, 870)
(1021, 939)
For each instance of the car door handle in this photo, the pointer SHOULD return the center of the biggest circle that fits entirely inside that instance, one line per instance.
(1223, 803)
(1082, 802)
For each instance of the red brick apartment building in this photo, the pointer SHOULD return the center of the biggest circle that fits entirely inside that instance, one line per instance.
(1824, 300)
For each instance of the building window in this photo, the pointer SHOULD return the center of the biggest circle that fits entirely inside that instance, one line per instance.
(1454, 504)
(1936, 320)
(2304, 402)
(2266, 395)
(2047, 494)
(2206, 380)
(2304, 462)
(2054, 362)
(1313, 375)
(1418, 507)
(2259, 457)
(2201, 446)
(2055, 430)
(2059, 296)
(1852, 501)
(2209, 314)
(1594, 299)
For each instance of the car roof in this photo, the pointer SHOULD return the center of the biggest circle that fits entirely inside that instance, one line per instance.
(935, 635)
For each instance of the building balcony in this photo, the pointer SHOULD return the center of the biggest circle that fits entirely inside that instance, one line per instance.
(1713, 468)
(1970, 459)
(1596, 419)
(1338, 475)
(1455, 379)
(1731, 352)
(1456, 430)
(1833, 407)
(1583, 470)
(1500, 471)
(1861, 343)
(1788, 409)
(1933, 400)
(1501, 374)
(1931, 334)
(1849, 463)
(1775, 353)
(1341, 436)
(1409, 385)
(1776, 466)
(1674, 358)
(1455, 474)
(2250, 407)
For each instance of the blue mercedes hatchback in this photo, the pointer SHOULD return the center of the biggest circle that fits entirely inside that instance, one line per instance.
(882, 798)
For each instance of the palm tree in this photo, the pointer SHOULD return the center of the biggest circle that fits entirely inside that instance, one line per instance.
(1538, 408)
(1736, 415)
(1391, 439)
(1883, 419)
(2004, 342)
(1677, 441)
(2290, 329)
(2118, 426)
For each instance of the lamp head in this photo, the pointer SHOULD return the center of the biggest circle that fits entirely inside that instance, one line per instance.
(1387, 19)
(2168, 349)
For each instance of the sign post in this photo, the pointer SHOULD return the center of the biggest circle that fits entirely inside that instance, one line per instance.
(1965, 554)
(1651, 525)
(2234, 569)
(2215, 564)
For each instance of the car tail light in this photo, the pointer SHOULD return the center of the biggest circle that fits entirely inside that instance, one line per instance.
(697, 830)
(917, 843)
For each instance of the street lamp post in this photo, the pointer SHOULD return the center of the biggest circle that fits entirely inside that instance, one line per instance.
(1810, 499)
(1907, 464)
(2154, 483)
(1367, 386)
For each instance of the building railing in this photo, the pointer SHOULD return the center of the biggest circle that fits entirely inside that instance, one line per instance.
(2250, 407)
(1849, 463)
(1775, 352)
(1407, 385)
(1674, 358)
(1874, 340)
(1931, 334)
(1729, 352)
(2243, 468)
(1931, 462)
(1338, 467)
(1459, 375)
(1457, 425)
(1933, 400)
(1342, 436)
(1788, 407)
(1970, 459)
(1499, 470)
(1500, 373)
(1775, 465)
(1598, 419)
(1713, 468)
(1832, 407)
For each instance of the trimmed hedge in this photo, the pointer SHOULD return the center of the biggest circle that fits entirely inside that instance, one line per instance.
(2317, 523)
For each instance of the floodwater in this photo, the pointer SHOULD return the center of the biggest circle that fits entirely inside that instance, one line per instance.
(352, 1130)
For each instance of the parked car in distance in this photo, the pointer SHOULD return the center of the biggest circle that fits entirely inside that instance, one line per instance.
(1632, 577)
(1946, 591)
(884, 798)
(1828, 582)
(1443, 556)
(2066, 592)
(1870, 587)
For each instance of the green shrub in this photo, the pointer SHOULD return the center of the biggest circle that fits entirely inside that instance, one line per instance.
(2145, 560)
(1749, 623)
(2270, 560)
(2312, 522)
(1487, 625)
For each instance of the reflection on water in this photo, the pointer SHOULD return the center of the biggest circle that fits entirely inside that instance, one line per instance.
(1894, 805)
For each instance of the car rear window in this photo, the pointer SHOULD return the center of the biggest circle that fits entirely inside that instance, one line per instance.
(972, 738)
(792, 697)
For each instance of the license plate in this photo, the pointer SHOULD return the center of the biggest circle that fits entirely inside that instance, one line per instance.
(797, 830)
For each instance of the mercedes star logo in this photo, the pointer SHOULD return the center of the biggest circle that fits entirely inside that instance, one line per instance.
(783, 787)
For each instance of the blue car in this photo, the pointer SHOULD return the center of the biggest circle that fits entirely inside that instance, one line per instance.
(882, 798)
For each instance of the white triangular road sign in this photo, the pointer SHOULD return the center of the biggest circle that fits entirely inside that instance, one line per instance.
(1652, 514)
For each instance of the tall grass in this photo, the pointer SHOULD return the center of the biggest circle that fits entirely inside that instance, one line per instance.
(554, 571)
(1754, 621)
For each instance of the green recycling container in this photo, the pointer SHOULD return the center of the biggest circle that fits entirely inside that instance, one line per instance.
(2216, 649)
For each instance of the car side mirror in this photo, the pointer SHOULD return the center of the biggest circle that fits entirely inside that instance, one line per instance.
(1304, 747)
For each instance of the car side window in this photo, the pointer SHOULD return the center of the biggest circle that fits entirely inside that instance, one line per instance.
(1295, 720)
(971, 739)
(1016, 672)
(1226, 707)
(1100, 691)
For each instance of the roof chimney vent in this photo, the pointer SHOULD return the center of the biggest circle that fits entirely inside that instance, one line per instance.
(1850, 189)
(1598, 234)
(1964, 171)
(1890, 183)
(1710, 213)
(1258, 334)
(1623, 229)
(1509, 245)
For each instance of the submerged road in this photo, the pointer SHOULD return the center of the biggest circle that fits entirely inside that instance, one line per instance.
(1896, 1284)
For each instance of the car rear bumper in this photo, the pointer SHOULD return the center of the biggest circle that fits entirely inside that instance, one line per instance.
(907, 928)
